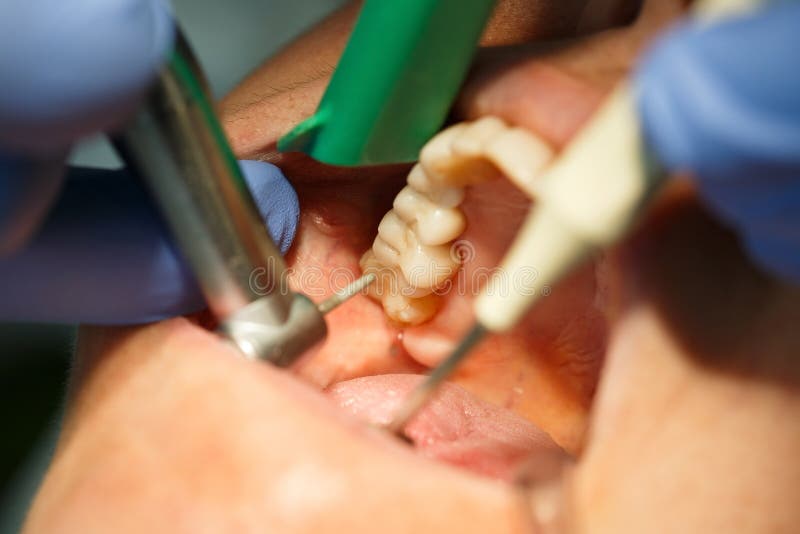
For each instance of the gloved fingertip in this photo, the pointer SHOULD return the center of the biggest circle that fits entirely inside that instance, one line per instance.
(78, 67)
(716, 98)
(658, 95)
(102, 256)
(276, 200)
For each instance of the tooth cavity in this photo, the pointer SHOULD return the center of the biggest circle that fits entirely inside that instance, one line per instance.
(448, 167)
(411, 255)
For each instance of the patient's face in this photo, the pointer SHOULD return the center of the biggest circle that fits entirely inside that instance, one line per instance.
(698, 394)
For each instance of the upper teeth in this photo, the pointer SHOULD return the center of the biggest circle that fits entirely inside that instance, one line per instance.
(412, 252)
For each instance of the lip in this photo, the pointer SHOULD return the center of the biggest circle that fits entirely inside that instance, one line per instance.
(456, 427)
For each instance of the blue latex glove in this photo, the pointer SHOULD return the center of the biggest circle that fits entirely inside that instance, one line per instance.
(87, 245)
(723, 102)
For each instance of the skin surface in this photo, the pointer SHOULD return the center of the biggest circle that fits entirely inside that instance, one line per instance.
(693, 427)
(187, 436)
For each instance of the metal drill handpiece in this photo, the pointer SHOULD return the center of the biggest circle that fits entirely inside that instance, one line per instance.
(282, 344)
(179, 149)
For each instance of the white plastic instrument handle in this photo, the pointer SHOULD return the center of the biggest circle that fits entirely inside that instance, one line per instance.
(590, 195)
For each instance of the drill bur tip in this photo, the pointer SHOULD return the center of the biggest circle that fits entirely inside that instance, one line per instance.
(346, 294)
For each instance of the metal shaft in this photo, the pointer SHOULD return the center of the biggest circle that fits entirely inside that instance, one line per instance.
(424, 392)
(178, 147)
(336, 300)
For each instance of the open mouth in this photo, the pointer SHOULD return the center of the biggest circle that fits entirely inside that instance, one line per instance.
(515, 393)
(518, 394)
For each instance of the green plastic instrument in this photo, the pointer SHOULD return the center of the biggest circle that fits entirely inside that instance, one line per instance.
(395, 82)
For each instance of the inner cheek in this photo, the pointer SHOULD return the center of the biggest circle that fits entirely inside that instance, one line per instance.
(547, 368)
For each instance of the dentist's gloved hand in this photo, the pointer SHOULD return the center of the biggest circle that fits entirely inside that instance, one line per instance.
(81, 245)
(723, 102)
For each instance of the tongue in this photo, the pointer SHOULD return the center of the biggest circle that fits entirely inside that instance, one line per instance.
(456, 427)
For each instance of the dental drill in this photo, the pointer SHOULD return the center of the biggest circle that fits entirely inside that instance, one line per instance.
(178, 148)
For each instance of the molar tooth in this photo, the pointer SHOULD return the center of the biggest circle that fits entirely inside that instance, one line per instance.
(438, 161)
(426, 266)
(437, 152)
(447, 197)
(411, 311)
(385, 253)
(440, 225)
(394, 231)
(370, 264)
(473, 140)
(409, 203)
(418, 179)
(435, 225)
(520, 156)
(444, 167)
(390, 280)
(403, 287)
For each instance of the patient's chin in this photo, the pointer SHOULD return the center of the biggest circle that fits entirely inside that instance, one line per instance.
(545, 370)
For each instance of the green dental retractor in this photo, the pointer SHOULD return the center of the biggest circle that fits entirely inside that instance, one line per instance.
(395, 82)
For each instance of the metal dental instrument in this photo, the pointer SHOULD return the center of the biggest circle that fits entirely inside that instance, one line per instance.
(334, 301)
(575, 216)
(424, 392)
(177, 146)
